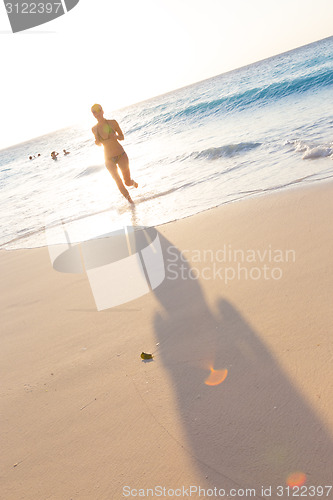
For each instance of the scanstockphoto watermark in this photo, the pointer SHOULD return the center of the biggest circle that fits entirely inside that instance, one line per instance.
(121, 266)
(228, 263)
(24, 15)
(187, 491)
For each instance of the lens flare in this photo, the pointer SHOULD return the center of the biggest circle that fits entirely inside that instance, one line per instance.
(216, 377)
(296, 479)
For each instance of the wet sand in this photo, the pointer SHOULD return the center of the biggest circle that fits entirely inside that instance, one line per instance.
(239, 392)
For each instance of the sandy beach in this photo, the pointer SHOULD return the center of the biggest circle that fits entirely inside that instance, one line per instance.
(238, 395)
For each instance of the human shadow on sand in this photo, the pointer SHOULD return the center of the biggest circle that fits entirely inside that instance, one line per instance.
(254, 428)
(250, 427)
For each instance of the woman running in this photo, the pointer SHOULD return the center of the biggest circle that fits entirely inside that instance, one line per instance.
(108, 133)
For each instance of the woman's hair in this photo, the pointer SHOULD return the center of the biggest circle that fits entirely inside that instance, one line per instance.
(96, 107)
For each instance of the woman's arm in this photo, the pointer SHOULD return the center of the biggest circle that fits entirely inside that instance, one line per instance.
(117, 129)
(97, 142)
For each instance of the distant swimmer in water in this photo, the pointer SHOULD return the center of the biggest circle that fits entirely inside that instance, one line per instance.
(66, 152)
(54, 155)
(108, 133)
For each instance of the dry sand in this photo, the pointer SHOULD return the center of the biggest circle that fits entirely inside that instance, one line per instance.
(82, 416)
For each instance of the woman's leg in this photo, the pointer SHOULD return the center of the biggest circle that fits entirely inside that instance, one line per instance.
(112, 168)
(123, 164)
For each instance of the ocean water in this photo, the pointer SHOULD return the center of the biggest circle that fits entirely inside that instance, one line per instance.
(256, 129)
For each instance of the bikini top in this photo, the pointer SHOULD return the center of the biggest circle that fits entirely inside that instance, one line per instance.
(108, 128)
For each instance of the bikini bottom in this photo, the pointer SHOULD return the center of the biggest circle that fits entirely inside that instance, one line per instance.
(115, 159)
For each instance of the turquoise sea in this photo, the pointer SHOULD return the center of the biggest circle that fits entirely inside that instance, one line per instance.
(257, 129)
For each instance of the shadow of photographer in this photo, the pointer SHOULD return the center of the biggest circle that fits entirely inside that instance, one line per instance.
(246, 424)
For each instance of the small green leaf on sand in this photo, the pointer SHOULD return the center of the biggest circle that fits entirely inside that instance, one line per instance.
(145, 355)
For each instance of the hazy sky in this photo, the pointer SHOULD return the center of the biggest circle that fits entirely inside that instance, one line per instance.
(124, 51)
